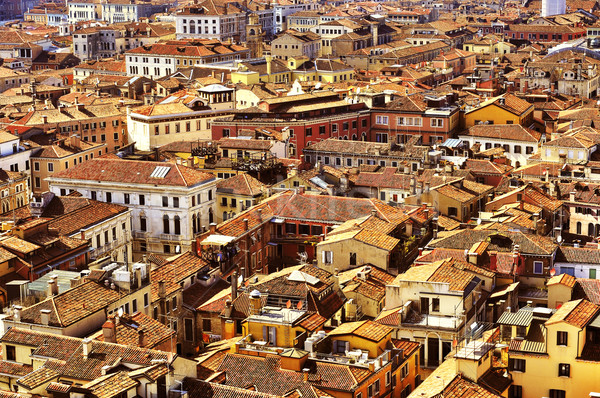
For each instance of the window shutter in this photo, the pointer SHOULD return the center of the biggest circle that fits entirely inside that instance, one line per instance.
(323, 255)
(511, 364)
(265, 334)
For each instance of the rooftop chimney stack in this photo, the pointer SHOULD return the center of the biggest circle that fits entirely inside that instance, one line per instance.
(109, 331)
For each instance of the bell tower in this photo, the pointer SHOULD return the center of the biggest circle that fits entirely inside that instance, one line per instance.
(255, 36)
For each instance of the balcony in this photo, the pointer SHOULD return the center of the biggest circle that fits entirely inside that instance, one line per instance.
(170, 237)
(107, 248)
(140, 234)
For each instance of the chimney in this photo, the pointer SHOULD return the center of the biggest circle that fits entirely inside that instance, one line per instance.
(234, 282)
(269, 59)
(161, 289)
(305, 374)
(75, 141)
(87, 347)
(374, 212)
(52, 286)
(245, 224)
(572, 196)
(213, 228)
(255, 303)
(141, 339)
(45, 119)
(17, 313)
(109, 331)
(45, 317)
(78, 105)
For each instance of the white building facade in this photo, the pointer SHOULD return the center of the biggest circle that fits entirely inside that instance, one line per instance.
(168, 210)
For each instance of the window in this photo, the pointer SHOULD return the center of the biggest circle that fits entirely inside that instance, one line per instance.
(517, 365)
(564, 370)
(165, 201)
(290, 228)
(36, 166)
(134, 306)
(50, 167)
(437, 122)
(167, 249)
(177, 225)
(126, 198)
(143, 223)
(11, 353)
(404, 371)
(557, 394)
(146, 300)
(188, 327)
(142, 200)
(174, 303)
(452, 211)
(381, 120)
(515, 392)
(303, 229)
(352, 258)
(175, 202)
(435, 305)
(166, 224)
(309, 131)
(109, 197)
(388, 378)
(538, 267)
(327, 257)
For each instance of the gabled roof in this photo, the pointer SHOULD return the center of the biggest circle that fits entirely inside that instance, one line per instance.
(241, 184)
(71, 306)
(511, 132)
(577, 313)
(365, 329)
(66, 357)
(500, 241)
(508, 102)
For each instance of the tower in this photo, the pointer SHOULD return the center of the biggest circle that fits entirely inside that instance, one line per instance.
(255, 36)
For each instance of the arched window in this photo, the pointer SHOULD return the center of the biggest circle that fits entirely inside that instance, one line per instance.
(192, 27)
(354, 137)
(194, 230)
(224, 216)
(177, 225)
(166, 229)
(578, 228)
(210, 216)
(591, 229)
(199, 223)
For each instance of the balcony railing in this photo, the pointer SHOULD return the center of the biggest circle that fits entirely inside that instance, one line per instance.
(170, 237)
(140, 234)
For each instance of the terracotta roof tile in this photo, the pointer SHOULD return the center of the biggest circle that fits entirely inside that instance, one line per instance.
(134, 172)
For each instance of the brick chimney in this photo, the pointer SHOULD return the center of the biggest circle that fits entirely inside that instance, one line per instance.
(109, 331)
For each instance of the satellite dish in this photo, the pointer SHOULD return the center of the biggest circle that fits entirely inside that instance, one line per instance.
(120, 312)
(177, 249)
(552, 272)
(559, 239)
(479, 221)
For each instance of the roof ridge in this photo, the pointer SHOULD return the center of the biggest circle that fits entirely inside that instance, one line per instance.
(56, 310)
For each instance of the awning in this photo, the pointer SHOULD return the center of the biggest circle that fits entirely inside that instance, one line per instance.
(218, 240)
